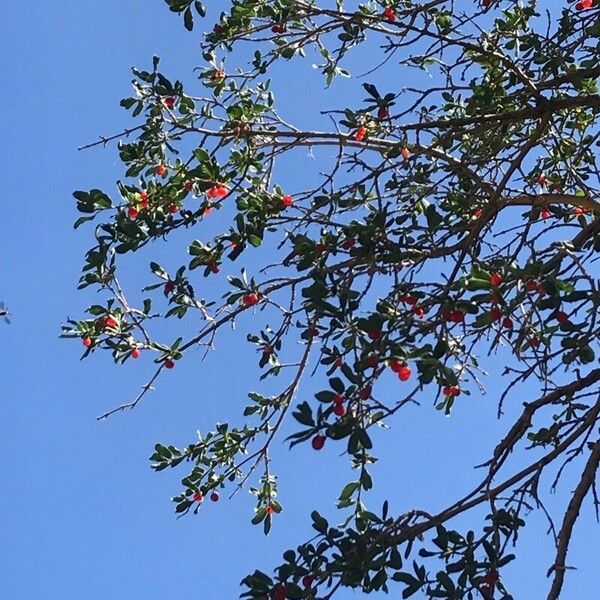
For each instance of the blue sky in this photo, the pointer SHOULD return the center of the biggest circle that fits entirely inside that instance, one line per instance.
(82, 514)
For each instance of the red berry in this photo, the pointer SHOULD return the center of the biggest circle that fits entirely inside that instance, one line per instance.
(278, 29)
(339, 410)
(389, 14)
(109, 322)
(396, 365)
(280, 593)
(169, 364)
(217, 191)
(507, 323)
(87, 342)
(307, 581)
(562, 317)
(477, 212)
(365, 393)
(408, 299)
(169, 287)
(169, 102)
(584, 4)
(197, 497)
(338, 399)
(143, 194)
(457, 316)
(404, 373)
(545, 213)
(267, 350)
(347, 244)
(383, 112)
(160, 170)
(135, 353)
(215, 496)
(318, 442)
(360, 134)
(338, 362)
(418, 311)
(542, 180)
(320, 248)
(372, 361)
(495, 314)
(287, 201)
(188, 186)
(534, 342)
(532, 286)
(269, 509)
(173, 208)
(132, 213)
(374, 334)
(250, 299)
(313, 332)
(405, 153)
(496, 279)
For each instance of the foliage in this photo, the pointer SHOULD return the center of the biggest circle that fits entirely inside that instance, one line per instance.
(456, 219)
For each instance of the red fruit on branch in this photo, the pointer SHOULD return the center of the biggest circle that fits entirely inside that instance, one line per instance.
(287, 201)
(496, 279)
(562, 317)
(169, 102)
(372, 361)
(405, 153)
(542, 180)
(584, 4)
(507, 323)
(456, 316)
(132, 213)
(389, 14)
(169, 287)
(188, 186)
(217, 191)
(365, 393)
(360, 134)
(404, 373)
(160, 170)
(279, 593)
(109, 322)
(278, 29)
(250, 299)
(198, 496)
(396, 365)
(338, 399)
(172, 208)
(383, 113)
(495, 314)
(318, 442)
(307, 581)
(215, 496)
(135, 353)
(374, 334)
(269, 509)
(347, 244)
(169, 364)
(545, 213)
(339, 410)
(451, 391)
(87, 342)
(339, 361)
(418, 311)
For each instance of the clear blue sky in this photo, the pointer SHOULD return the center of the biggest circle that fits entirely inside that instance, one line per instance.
(82, 515)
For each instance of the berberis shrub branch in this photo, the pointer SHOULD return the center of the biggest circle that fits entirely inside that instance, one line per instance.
(451, 216)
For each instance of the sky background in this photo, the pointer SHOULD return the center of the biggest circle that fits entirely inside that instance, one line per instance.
(82, 515)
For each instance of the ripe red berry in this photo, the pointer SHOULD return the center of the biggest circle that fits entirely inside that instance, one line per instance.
(545, 213)
(215, 496)
(382, 112)
(169, 102)
(109, 322)
(534, 342)
(135, 353)
(217, 191)
(269, 509)
(405, 153)
(347, 244)
(87, 342)
(507, 323)
(287, 201)
(160, 170)
(280, 593)
(374, 334)
(408, 299)
(396, 365)
(542, 180)
(320, 248)
(389, 14)
(197, 497)
(339, 410)
(338, 399)
(372, 361)
(250, 299)
(584, 4)
(477, 212)
(307, 581)
(132, 213)
(318, 442)
(169, 364)
(365, 393)
(404, 373)
(495, 314)
(456, 316)
(169, 287)
(496, 279)
(418, 311)
(188, 186)
(172, 208)
(562, 317)
(360, 134)
(339, 361)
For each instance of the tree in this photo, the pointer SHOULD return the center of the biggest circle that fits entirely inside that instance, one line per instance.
(456, 221)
